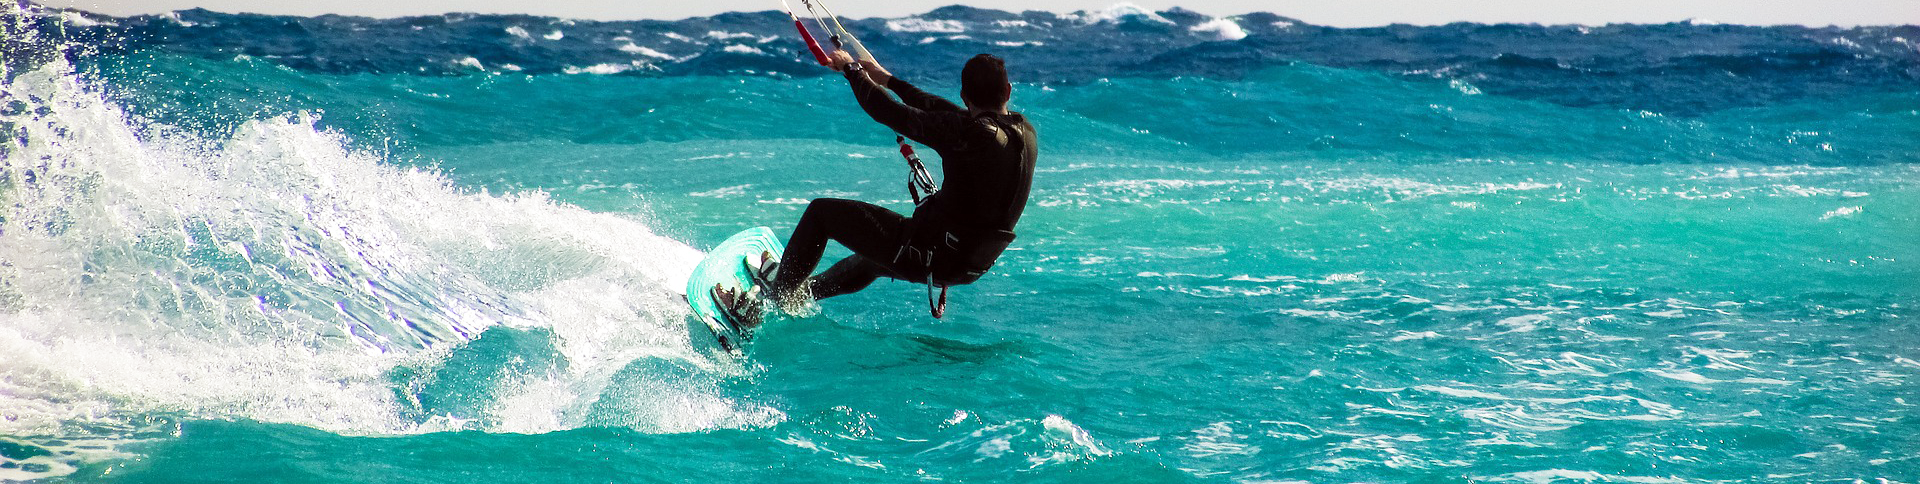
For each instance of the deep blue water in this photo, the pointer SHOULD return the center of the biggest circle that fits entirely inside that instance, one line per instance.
(230, 270)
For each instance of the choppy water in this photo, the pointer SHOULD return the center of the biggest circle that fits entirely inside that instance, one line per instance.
(232, 271)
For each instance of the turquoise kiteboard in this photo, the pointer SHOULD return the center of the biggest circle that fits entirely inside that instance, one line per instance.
(726, 266)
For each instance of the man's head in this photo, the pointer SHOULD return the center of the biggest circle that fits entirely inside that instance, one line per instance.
(983, 83)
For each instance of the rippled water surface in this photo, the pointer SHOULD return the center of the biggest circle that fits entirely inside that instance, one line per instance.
(230, 271)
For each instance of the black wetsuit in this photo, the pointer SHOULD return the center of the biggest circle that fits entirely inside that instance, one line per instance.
(954, 236)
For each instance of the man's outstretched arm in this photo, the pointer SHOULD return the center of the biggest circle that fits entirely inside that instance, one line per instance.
(909, 94)
(915, 97)
(940, 130)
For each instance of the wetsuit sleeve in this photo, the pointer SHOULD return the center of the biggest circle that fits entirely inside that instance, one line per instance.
(940, 130)
(917, 98)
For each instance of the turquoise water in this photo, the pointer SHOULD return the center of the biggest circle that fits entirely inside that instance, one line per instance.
(227, 271)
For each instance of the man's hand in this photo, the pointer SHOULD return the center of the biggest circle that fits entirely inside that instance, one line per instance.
(840, 59)
(878, 74)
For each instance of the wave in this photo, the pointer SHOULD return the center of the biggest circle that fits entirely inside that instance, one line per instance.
(151, 275)
(1286, 112)
(1676, 69)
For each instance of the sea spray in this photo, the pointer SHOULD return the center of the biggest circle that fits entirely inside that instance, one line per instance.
(281, 275)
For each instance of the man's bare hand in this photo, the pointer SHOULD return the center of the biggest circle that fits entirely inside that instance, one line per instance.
(878, 74)
(839, 59)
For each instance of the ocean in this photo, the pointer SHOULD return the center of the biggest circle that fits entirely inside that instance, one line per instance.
(238, 266)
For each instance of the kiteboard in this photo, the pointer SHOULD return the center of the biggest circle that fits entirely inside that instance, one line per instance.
(727, 267)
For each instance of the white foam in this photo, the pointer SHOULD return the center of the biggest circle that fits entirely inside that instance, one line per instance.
(175, 17)
(916, 24)
(724, 192)
(1410, 336)
(1463, 87)
(1523, 323)
(1461, 392)
(1221, 29)
(1685, 376)
(1342, 278)
(279, 275)
(723, 35)
(929, 40)
(1218, 439)
(642, 50)
(1555, 475)
(1115, 13)
(605, 69)
(1065, 431)
(995, 448)
(1407, 189)
(79, 20)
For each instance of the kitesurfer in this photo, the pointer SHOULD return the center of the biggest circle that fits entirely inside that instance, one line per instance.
(956, 234)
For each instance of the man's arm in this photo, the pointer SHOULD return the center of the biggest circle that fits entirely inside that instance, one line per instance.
(910, 95)
(917, 98)
(940, 130)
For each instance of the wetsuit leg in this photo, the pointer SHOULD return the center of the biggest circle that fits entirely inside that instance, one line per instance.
(872, 232)
(848, 276)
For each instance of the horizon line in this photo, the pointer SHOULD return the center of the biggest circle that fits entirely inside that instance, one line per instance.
(1116, 8)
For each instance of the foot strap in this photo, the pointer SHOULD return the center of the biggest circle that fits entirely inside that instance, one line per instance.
(739, 310)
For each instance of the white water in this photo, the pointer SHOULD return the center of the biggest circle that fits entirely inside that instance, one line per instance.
(281, 275)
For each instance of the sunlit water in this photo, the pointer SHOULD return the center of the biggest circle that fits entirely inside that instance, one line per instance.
(231, 271)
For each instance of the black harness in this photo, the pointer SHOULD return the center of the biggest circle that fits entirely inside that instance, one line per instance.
(961, 253)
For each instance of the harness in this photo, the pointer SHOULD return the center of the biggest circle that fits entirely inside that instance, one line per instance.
(976, 247)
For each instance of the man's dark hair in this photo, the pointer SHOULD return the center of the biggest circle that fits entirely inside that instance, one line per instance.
(983, 82)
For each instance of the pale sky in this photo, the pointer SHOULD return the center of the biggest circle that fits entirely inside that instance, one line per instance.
(1342, 13)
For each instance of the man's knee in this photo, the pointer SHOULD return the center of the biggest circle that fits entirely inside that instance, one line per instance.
(830, 204)
(824, 207)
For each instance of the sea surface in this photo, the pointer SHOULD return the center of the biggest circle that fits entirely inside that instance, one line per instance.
(232, 268)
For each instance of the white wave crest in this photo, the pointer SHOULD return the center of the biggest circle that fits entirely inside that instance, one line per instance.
(1116, 13)
(916, 24)
(630, 48)
(1221, 28)
(279, 274)
(606, 69)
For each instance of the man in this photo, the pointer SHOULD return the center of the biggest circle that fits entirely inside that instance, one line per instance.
(955, 235)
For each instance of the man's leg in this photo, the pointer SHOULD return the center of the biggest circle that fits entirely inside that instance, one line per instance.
(848, 276)
(865, 228)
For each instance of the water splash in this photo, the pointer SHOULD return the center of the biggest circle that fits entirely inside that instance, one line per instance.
(281, 275)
